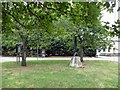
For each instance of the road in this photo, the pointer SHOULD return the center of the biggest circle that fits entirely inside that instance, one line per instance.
(8, 59)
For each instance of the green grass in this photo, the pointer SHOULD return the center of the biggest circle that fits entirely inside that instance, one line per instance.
(58, 74)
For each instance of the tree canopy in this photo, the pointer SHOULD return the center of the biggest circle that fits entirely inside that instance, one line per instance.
(46, 23)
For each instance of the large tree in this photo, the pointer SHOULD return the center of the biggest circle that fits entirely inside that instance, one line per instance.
(30, 21)
(85, 18)
(24, 17)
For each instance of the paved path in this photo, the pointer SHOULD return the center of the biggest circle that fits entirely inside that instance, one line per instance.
(8, 59)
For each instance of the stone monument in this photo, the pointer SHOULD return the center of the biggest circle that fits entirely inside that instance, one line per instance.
(75, 62)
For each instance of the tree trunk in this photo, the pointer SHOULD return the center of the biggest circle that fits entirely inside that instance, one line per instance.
(81, 53)
(24, 48)
(119, 50)
(75, 44)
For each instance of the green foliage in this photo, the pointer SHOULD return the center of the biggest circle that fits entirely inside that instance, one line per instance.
(85, 14)
(47, 23)
(25, 17)
(85, 18)
(114, 29)
(9, 40)
(110, 6)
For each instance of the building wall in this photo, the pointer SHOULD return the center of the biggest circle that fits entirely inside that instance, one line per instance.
(113, 51)
(111, 18)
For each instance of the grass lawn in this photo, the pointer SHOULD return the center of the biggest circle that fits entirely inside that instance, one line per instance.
(58, 74)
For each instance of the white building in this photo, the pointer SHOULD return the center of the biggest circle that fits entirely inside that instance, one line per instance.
(111, 18)
(113, 51)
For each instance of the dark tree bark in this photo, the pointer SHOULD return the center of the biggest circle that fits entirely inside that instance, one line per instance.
(81, 48)
(24, 48)
(75, 44)
(81, 53)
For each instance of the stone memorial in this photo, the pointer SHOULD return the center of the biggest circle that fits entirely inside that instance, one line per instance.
(75, 62)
